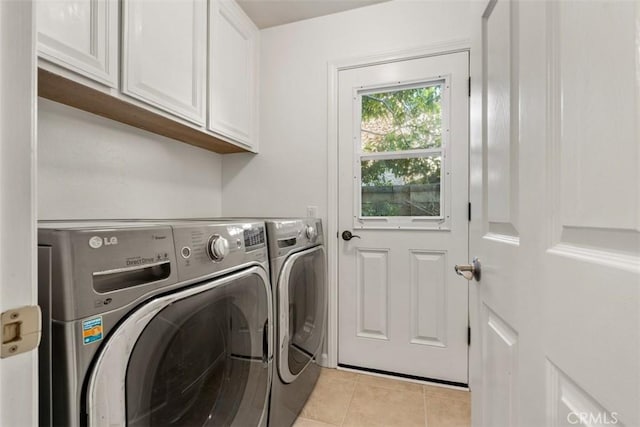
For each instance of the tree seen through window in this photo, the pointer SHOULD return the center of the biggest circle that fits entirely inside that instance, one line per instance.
(404, 127)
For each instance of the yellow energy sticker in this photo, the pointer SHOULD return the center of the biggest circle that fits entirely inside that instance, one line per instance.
(92, 330)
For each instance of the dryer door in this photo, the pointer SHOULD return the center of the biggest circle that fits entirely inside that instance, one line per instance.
(199, 356)
(302, 307)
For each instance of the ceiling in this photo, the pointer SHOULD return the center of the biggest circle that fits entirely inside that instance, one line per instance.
(269, 13)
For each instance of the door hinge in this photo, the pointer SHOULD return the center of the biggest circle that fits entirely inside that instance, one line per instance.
(469, 212)
(21, 330)
(469, 86)
(469, 335)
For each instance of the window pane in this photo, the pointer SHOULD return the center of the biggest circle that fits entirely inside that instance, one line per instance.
(402, 120)
(401, 187)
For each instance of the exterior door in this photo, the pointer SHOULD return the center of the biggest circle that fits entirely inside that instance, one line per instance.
(403, 159)
(302, 296)
(200, 356)
(555, 191)
(18, 277)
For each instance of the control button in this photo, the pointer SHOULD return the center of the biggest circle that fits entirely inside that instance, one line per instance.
(311, 232)
(185, 252)
(218, 248)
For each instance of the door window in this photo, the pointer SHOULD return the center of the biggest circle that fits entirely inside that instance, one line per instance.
(199, 361)
(400, 170)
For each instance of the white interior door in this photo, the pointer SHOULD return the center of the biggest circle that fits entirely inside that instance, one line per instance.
(18, 286)
(555, 192)
(403, 190)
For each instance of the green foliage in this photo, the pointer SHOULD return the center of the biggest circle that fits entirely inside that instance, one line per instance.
(396, 121)
(419, 170)
(380, 208)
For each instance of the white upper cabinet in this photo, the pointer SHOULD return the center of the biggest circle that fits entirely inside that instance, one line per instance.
(192, 62)
(164, 57)
(233, 49)
(81, 36)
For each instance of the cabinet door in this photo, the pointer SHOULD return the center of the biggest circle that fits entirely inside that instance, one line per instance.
(81, 36)
(232, 73)
(164, 62)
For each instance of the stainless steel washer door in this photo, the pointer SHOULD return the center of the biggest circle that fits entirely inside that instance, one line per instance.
(195, 357)
(302, 306)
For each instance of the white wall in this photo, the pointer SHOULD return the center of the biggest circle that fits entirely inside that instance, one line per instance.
(92, 167)
(290, 173)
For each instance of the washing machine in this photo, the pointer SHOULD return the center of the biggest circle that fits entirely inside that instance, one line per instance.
(298, 278)
(155, 324)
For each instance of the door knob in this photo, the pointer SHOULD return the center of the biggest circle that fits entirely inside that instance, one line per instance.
(469, 271)
(347, 235)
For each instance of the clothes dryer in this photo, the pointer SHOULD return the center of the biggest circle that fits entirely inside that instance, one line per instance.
(298, 278)
(155, 324)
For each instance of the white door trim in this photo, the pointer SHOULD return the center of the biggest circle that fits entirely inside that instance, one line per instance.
(333, 68)
(18, 229)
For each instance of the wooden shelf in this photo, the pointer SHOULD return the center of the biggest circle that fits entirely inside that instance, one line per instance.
(74, 94)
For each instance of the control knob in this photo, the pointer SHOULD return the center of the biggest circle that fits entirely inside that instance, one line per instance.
(311, 232)
(218, 248)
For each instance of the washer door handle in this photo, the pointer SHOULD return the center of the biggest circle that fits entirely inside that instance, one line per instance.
(265, 342)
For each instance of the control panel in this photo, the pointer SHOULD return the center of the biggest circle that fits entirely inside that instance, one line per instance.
(289, 235)
(205, 248)
(254, 238)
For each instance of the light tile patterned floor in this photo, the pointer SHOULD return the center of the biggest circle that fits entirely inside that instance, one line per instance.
(348, 399)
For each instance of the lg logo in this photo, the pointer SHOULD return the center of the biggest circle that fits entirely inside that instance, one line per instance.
(96, 241)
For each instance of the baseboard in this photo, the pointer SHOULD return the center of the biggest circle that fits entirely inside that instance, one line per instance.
(405, 377)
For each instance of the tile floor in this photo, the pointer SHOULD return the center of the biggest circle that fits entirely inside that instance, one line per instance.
(344, 398)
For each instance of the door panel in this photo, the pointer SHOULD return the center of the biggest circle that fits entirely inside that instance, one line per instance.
(499, 359)
(558, 305)
(80, 35)
(428, 312)
(373, 284)
(502, 103)
(164, 50)
(233, 57)
(403, 191)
